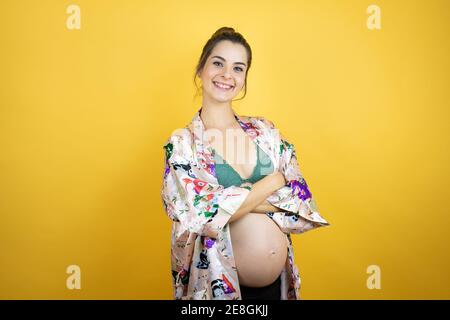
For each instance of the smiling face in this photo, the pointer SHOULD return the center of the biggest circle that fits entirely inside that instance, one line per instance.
(223, 75)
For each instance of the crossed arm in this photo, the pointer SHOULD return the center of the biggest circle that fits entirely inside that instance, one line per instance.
(266, 207)
(256, 200)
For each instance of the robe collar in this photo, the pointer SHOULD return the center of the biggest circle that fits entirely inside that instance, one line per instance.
(203, 151)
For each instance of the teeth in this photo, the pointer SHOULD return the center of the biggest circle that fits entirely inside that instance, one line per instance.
(223, 86)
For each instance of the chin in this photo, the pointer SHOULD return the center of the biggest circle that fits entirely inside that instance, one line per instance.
(221, 98)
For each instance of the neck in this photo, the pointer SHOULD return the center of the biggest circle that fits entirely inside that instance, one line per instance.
(217, 115)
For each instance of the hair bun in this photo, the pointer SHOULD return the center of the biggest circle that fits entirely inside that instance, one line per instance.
(224, 30)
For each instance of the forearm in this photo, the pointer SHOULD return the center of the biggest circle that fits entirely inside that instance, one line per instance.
(265, 207)
(260, 191)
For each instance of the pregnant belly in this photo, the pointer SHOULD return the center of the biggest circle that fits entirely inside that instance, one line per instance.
(259, 249)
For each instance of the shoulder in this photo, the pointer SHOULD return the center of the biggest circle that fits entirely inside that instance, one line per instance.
(178, 144)
(179, 135)
(268, 123)
(261, 121)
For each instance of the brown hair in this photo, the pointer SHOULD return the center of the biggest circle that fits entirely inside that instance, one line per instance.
(224, 33)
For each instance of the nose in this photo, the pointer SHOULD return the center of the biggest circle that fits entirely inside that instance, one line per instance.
(226, 74)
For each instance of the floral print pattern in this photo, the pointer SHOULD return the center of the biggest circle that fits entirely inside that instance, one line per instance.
(202, 261)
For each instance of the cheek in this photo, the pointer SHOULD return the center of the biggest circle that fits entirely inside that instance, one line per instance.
(209, 73)
(240, 81)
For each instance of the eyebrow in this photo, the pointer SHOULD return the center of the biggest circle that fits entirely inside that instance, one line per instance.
(221, 58)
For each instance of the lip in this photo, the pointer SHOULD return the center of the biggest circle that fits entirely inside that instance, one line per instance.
(229, 89)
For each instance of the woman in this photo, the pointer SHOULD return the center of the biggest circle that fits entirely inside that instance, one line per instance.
(233, 219)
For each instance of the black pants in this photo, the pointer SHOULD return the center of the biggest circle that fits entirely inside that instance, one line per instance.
(270, 292)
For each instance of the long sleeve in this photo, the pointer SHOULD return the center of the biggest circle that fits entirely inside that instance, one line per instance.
(295, 197)
(200, 206)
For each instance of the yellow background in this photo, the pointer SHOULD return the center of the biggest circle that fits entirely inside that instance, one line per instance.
(84, 114)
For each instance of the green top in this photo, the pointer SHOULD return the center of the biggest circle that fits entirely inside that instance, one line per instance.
(227, 176)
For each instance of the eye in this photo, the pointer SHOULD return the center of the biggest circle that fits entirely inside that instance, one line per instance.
(214, 63)
(240, 69)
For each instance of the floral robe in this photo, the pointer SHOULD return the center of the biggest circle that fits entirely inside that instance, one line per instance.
(203, 265)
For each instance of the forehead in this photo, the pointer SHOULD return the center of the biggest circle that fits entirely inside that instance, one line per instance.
(232, 52)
